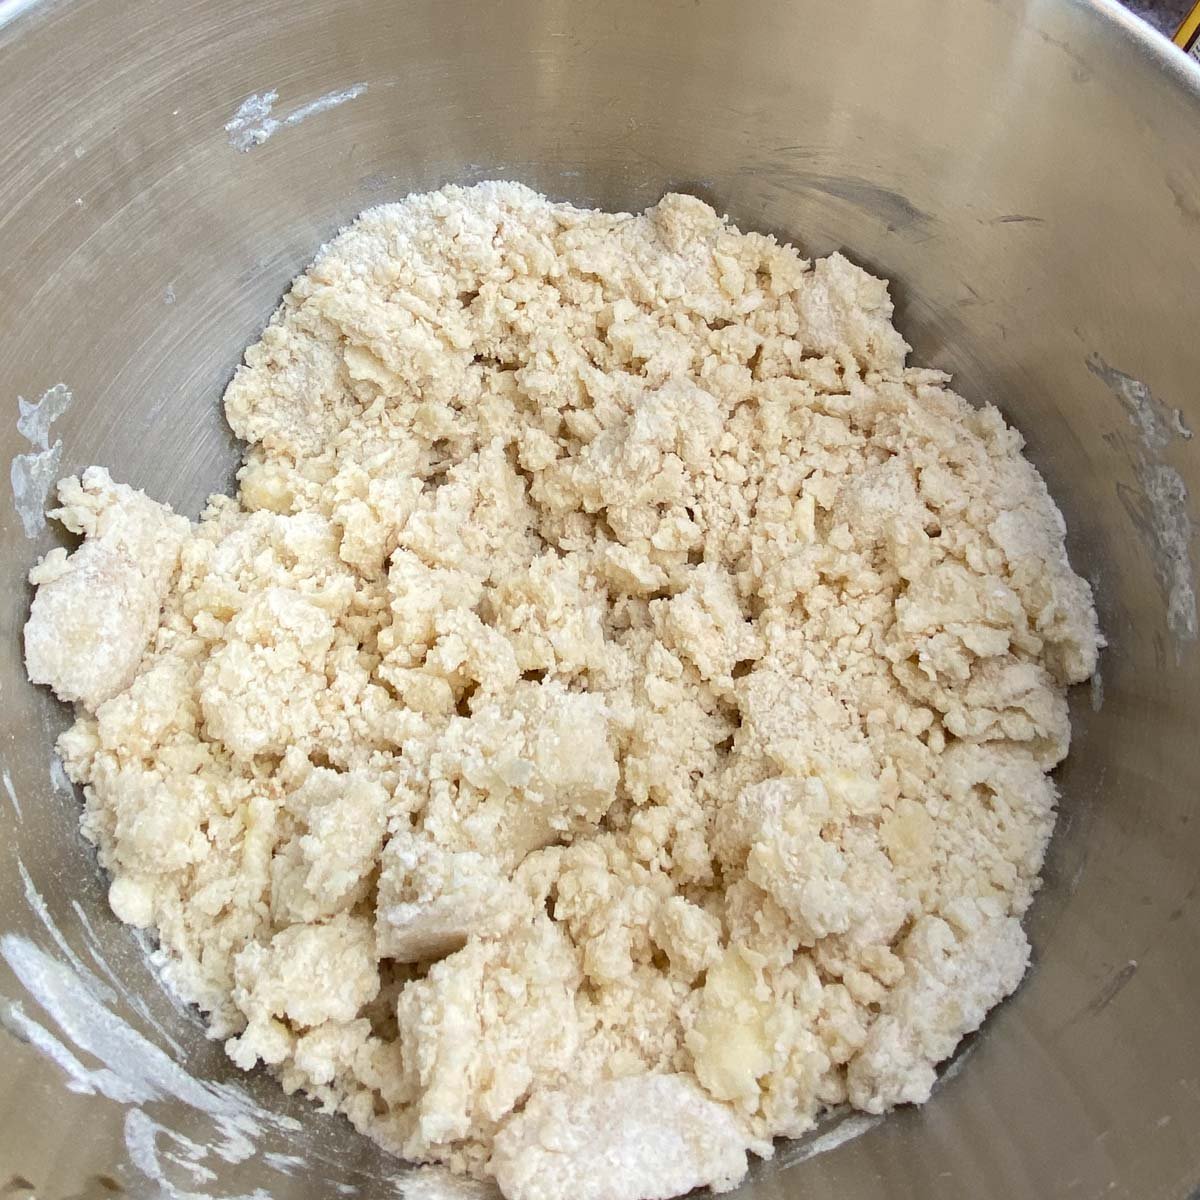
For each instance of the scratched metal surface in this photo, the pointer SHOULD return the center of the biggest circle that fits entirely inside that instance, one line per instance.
(1029, 176)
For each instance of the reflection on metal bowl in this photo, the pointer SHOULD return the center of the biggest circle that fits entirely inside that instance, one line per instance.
(1028, 176)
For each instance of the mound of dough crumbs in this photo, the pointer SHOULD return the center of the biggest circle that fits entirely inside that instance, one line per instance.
(610, 726)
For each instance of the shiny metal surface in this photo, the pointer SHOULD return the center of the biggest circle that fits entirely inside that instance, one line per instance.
(1027, 172)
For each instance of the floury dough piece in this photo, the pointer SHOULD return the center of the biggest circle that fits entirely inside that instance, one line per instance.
(641, 1136)
(96, 610)
(611, 724)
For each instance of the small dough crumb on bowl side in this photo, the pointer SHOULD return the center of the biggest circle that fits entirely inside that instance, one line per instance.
(612, 723)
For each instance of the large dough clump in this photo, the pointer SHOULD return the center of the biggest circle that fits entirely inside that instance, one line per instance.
(612, 723)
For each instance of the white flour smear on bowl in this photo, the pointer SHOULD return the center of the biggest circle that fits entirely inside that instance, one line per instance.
(610, 727)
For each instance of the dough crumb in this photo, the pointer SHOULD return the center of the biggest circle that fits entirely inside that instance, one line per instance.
(612, 723)
(96, 610)
(629, 1139)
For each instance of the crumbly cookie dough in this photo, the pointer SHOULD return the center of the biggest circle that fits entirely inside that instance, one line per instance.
(612, 722)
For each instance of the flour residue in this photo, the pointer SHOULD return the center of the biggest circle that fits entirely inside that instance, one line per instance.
(846, 1130)
(252, 124)
(38, 906)
(34, 420)
(1159, 508)
(11, 9)
(136, 1002)
(1171, 525)
(11, 792)
(101, 1054)
(132, 1069)
(428, 1184)
(33, 473)
(1157, 423)
(80, 1079)
(254, 121)
(955, 1066)
(62, 787)
(287, 1163)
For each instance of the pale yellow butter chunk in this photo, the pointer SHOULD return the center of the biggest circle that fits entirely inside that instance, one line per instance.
(730, 1042)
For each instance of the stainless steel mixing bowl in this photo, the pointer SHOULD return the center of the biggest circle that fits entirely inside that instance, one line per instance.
(1027, 172)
